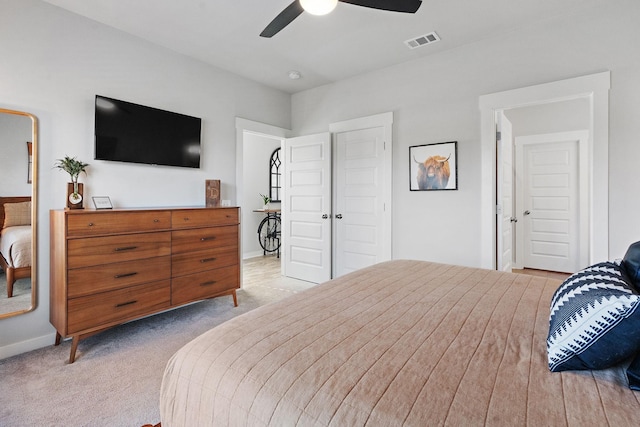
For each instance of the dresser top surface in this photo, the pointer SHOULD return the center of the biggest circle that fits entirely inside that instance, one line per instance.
(140, 209)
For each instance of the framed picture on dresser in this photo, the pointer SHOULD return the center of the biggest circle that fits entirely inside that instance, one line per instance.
(102, 202)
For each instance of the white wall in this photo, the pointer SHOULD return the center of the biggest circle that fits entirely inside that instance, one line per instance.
(257, 154)
(15, 131)
(435, 99)
(52, 65)
(550, 118)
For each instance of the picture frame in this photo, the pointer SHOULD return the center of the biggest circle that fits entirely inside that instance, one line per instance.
(433, 167)
(102, 202)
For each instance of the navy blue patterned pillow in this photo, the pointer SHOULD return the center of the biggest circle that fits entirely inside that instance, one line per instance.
(595, 321)
(631, 263)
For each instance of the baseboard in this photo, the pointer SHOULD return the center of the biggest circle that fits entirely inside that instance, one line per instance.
(25, 346)
(248, 255)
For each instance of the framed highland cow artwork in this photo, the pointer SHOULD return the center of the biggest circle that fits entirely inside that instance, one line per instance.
(433, 166)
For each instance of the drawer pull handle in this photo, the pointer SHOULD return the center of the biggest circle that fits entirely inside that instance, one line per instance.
(122, 304)
(204, 239)
(209, 283)
(207, 260)
(90, 224)
(126, 248)
(186, 219)
(120, 276)
(156, 220)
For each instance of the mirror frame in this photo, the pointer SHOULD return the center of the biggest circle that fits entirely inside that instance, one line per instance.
(34, 213)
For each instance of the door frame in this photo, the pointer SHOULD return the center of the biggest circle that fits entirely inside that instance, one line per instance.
(384, 120)
(595, 88)
(244, 126)
(582, 138)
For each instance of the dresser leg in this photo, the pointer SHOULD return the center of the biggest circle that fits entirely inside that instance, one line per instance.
(235, 298)
(58, 338)
(74, 347)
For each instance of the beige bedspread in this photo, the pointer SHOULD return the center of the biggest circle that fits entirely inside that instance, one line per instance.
(400, 343)
(15, 245)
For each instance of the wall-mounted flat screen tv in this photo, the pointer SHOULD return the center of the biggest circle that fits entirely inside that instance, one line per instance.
(128, 132)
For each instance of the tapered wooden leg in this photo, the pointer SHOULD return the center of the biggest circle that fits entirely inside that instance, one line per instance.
(10, 281)
(235, 298)
(74, 347)
(58, 338)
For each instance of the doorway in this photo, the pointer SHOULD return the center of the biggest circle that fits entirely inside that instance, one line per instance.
(250, 134)
(595, 89)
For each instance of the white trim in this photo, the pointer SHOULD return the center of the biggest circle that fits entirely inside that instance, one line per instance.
(377, 120)
(594, 87)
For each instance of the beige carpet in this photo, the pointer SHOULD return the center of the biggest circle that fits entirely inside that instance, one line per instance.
(116, 378)
(21, 299)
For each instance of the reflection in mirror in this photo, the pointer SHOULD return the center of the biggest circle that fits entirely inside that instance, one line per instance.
(18, 207)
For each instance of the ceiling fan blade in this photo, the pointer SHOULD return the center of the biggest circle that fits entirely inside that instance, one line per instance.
(406, 6)
(283, 19)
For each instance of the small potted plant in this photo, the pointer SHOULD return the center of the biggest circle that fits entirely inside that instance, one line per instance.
(265, 201)
(73, 167)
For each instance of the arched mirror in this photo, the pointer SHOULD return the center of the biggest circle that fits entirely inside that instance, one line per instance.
(18, 202)
(275, 175)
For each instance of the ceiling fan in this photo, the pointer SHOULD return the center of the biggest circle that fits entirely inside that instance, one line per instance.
(322, 7)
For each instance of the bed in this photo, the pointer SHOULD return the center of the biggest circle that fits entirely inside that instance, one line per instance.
(15, 239)
(398, 343)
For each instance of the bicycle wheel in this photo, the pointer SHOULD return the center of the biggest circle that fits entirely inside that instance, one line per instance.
(269, 234)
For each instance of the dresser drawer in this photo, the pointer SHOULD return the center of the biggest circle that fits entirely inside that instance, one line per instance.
(204, 217)
(100, 278)
(204, 285)
(112, 249)
(113, 222)
(198, 239)
(195, 262)
(102, 309)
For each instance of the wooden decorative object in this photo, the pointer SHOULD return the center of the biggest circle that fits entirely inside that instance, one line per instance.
(70, 191)
(212, 193)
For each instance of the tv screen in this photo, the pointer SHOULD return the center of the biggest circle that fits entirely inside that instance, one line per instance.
(128, 132)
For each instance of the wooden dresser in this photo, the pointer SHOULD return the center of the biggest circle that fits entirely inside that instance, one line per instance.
(112, 266)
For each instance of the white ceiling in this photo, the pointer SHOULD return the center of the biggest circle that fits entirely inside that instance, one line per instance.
(349, 41)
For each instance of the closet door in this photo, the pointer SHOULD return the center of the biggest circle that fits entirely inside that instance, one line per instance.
(306, 208)
(362, 193)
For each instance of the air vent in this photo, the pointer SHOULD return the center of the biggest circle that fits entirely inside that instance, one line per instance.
(419, 41)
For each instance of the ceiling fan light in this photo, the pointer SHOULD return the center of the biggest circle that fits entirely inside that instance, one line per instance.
(318, 7)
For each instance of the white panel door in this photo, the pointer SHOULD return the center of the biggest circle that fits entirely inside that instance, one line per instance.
(306, 208)
(359, 219)
(505, 218)
(550, 204)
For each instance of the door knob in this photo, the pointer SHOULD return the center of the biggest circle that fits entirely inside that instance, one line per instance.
(339, 216)
(526, 212)
(325, 216)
